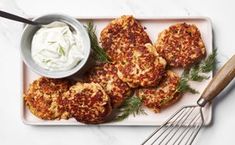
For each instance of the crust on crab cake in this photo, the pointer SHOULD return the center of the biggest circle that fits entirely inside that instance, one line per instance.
(43, 95)
(143, 67)
(162, 96)
(106, 76)
(121, 35)
(181, 45)
(87, 103)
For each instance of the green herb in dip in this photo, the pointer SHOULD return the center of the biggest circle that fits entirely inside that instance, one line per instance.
(56, 48)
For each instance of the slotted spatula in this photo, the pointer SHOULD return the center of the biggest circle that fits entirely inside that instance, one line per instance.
(183, 126)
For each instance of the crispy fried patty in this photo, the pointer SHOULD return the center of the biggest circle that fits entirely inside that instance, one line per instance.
(143, 67)
(42, 98)
(87, 103)
(106, 76)
(125, 40)
(181, 45)
(163, 95)
(121, 35)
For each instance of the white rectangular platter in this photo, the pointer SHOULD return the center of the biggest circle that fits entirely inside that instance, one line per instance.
(154, 27)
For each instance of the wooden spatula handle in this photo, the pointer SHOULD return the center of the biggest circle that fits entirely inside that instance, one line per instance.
(219, 82)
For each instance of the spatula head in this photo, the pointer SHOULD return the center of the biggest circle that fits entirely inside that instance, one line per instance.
(180, 129)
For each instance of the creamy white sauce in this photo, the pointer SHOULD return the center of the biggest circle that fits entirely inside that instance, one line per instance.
(56, 48)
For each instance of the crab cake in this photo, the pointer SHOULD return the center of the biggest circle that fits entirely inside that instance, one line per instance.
(42, 98)
(87, 103)
(143, 67)
(163, 95)
(106, 76)
(181, 45)
(121, 36)
(125, 40)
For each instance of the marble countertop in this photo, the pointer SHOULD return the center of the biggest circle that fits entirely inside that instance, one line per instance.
(13, 131)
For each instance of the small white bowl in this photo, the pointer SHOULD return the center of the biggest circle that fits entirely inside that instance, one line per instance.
(28, 34)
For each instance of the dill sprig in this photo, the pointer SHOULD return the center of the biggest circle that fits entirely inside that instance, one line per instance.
(184, 87)
(131, 106)
(208, 64)
(197, 72)
(98, 51)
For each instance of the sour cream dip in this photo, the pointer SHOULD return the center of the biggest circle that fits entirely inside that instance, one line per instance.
(56, 48)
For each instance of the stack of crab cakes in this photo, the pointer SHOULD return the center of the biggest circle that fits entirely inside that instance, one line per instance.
(137, 61)
(106, 76)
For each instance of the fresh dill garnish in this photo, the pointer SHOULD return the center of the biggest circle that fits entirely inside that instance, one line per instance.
(208, 64)
(131, 106)
(196, 72)
(184, 87)
(61, 51)
(98, 51)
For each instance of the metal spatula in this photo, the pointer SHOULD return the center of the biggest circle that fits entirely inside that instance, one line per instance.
(183, 126)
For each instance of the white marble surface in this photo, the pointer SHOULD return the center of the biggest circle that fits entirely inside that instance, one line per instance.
(13, 131)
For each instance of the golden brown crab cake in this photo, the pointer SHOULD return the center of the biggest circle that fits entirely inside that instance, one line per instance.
(87, 103)
(121, 36)
(181, 45)
(125, 40)
(142, 67)
(163, 95)
(43, 95)
(106, 76)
